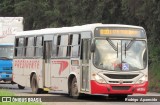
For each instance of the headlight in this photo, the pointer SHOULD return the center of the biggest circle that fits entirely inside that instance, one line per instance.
(142, 80)
(99, 79)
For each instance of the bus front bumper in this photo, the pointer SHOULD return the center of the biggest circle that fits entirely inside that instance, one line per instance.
(97, 88)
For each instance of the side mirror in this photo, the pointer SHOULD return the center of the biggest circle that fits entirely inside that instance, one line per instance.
(93, 47)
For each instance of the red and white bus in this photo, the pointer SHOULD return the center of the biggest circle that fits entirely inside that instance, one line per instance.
(89, 59)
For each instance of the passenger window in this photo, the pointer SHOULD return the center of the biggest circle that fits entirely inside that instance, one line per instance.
(39, 47)
(30, 47)
(75, 39)
(39, 41)
(21, 42)
(76, 45)
(19, 48)
(63, 46)
(70, 39)
(58, 44)
(54, 51)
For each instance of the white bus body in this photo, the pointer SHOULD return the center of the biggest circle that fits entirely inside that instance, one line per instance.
(90, 59)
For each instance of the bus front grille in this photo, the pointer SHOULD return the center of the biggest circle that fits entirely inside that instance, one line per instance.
(120, 87)
(121, 76)
(119, 82)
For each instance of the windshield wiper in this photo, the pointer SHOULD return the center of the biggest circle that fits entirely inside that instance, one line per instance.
(113, 46)
(130, 44)
(127, 47)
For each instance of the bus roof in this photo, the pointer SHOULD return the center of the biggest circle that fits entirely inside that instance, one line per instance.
(87, 27)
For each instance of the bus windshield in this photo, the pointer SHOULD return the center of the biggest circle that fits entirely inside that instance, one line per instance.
(6, 52)
(122, 55)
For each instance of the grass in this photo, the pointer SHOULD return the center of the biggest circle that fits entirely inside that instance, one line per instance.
(7, 93)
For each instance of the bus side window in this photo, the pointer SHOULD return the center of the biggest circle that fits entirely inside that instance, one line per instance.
(54, 49)
(63, 46)
(58, 44)
(70, 39)
(39, 47)
(16, 42)
(30, 47)
(76, 45)
(20, 47)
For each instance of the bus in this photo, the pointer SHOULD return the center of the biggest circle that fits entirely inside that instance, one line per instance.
(106, 59)
(8, 27)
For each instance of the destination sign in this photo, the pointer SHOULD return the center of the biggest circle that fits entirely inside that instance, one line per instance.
(119, 32)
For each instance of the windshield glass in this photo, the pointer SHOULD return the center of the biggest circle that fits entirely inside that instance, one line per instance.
(6, 52)
(120, 54)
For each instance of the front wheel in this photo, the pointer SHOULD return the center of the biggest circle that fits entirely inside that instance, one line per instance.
(34, 85)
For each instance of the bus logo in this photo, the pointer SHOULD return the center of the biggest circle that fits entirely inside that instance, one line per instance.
(63, 65)
(121, 81)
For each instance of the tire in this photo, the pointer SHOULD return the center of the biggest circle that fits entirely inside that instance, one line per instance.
(34, 85)
(74, 89)
(20, 87)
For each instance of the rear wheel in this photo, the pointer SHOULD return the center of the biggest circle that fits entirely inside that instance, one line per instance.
(74, 89)
(34, 85)
(20, 87)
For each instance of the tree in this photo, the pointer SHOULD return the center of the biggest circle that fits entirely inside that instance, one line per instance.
(7, 8)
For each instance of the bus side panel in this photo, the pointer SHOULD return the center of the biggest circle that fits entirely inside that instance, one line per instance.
(18, 76)
(59, 74)
(27, 71)
(33, 66)
(22, 69)
(40, 72)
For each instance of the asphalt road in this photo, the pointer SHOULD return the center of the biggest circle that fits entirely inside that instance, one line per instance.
(64, 99)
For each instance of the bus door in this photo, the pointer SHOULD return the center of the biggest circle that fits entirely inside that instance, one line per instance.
(47, 58)
(85, 56)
